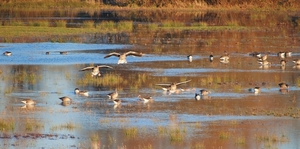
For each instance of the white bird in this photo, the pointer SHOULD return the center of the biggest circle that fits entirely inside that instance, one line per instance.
(122, 57)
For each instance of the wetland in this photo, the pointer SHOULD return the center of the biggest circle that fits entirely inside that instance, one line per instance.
(231, 116)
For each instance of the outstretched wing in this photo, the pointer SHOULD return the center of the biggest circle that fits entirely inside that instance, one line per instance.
(87, 68)
(168, 85)
(104, 66)
(112, 54)
(133, 53)
(182, 82)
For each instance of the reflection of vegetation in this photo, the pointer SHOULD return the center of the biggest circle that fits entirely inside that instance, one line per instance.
(107, 79)
(94, 137)
(7, 124)
(131, 132)
(240, 141)
(32, 124)
(272, 138)
(177, 135)
(68, 126)
(224, 135)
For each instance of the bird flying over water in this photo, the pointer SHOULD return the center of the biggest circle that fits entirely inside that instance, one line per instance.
(95, 69)
(122, 56)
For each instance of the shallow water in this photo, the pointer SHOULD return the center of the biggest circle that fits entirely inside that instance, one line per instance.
(229, 117)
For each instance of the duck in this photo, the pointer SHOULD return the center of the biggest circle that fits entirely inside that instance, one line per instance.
(65, 99)
(288, 54)
(204, 92)
(172, 87)
(7, 53)
(211, 57)
(145, 98)
(263, 58)
(96, 69)
(113, 95)
(255, 54)
(190, 58)
(117, 101)
(281, 54)
(81, 92)
(296, 61)
(225, 57)
(283, 86)
(63, 53)
(28, 102)
(122, 57)
(256, 89)
(283, 63)
(197, 96)
(264, 63)
(47, 53)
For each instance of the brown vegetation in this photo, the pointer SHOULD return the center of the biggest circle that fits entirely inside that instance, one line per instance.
(150, 3)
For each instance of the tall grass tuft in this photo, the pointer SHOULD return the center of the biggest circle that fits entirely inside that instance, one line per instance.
(106, 25)
(125, 26)
(88, 24)
(61, 23)
(7, 125)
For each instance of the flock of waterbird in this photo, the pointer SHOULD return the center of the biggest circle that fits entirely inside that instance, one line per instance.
(169, 87)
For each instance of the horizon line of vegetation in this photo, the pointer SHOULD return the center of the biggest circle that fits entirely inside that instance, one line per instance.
(190, 4)
(60, 28)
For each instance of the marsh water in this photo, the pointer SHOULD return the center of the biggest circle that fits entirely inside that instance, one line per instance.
(231, 116)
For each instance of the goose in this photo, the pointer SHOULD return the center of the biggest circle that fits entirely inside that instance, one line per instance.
(288, 54)
(283, 86)
(28, 102)
(65, 99)
(204, 92)
(172, 87)
(296, 61)
(122, 57)
(145, 98)
(117, 101)
(95, 69)
(255, 54)
(263, 58)
(225, 57)
(190, 58)
(283, 62)
(81, 92)
(63, 53)
(7, 53)
(264, 63)
(256, 90)
(113, 95)
(281, 54)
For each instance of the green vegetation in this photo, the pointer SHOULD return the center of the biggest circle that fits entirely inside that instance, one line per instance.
(67, 126)
(7, 125)
(131, 132)
(32, 124)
